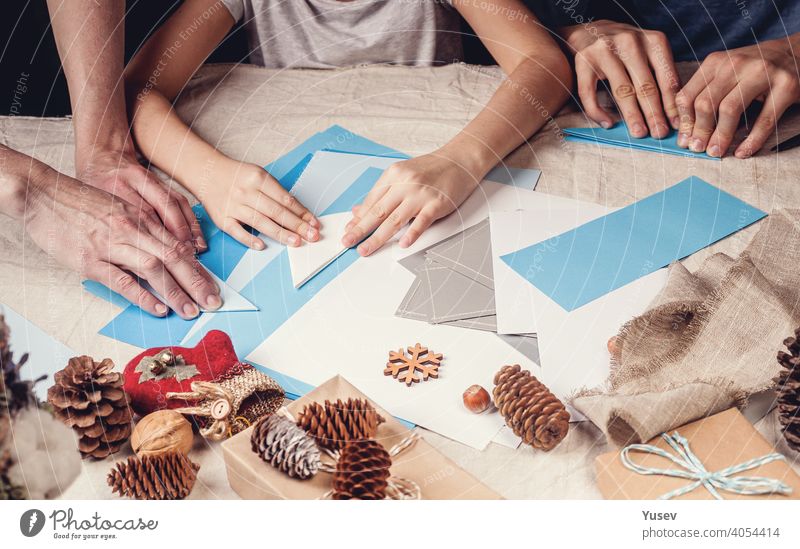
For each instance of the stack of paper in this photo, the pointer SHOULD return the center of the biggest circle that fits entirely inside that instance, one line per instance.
(618, 136)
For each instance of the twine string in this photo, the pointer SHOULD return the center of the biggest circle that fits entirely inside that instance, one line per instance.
(692, 468)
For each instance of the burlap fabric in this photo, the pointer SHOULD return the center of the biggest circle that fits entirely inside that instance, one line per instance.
(707, 342)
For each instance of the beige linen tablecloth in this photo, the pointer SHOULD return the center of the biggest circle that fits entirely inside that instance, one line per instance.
(257, 115)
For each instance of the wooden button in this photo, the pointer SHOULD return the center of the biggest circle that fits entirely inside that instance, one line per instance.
(220, 409)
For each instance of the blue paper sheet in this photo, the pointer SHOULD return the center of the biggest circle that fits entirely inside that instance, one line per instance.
(580, 265)
(618, 136)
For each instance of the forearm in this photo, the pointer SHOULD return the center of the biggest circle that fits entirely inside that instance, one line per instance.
(171, 145)
(524, 102)
(20, 178)
(90, 39)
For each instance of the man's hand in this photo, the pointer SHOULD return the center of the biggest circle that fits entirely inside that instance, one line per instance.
(120, 174)
(425, 188)
(104, 238)
(713, 101)
(640, 70)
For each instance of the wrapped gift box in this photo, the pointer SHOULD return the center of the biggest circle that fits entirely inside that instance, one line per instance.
(437, 476)
(719, 441)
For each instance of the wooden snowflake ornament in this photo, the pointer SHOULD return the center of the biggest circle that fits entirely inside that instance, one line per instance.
(404, 367)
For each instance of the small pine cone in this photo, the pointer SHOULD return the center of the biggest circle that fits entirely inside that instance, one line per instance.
(362, 471)
(88, 397)
(164, 476)
(334, 424)
(285, 446)
(788, 387)
(529, 408)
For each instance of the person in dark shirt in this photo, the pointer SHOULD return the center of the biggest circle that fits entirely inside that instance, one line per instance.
(748, 51)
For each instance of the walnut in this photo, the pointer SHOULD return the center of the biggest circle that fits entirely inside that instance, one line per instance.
(161, 432)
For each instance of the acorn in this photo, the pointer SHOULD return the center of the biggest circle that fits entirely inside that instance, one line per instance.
(476, 399)
(614, 347)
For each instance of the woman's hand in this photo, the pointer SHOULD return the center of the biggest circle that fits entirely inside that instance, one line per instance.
(640, 70)
(713, 101)
(424, 189)
(245, 194)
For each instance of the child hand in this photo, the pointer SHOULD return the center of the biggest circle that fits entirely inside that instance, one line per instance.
(245, 194)
(425, 188)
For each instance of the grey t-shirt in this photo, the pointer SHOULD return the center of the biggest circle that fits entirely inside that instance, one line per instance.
(324, 34)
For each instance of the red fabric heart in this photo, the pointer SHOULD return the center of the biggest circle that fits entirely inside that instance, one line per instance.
(213, 356)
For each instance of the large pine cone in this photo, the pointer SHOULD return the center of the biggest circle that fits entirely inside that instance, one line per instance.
(285, 446)
(334, 424)
(788, 386)
(529, 408)
(164, 476)
(362, 471)
(88, 397)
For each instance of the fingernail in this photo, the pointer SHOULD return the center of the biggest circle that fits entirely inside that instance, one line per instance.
(683, 139)
(314, 222)
(213, 302)
(661, 129)
(161, 309)
(294, 240)
(260, 245)
(713, 150)
(696, 145)
(605, 124)
(201, 243)
(363, 249)
(403, 242)
(312, 234)
(191, 310)
(638, 129)
(675, 122)
(348, 240)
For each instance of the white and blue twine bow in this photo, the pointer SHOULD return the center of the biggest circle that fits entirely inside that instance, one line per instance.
(693, 469)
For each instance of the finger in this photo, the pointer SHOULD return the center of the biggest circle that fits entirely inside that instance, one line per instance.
(765, 125)
(731, 109)
(235, 229)
(706, 107)
(376, 215)
(167, 203)
(281, 196)
(377, 193)
(127, 286)
(659, 53)
(269, 228)
(178, 258)
(625, 95)
(587, 91)
(194, 226)
(685, 100)
(151, 269)
(422, 222)
(266, 206)
(647, 92)
(395, 221)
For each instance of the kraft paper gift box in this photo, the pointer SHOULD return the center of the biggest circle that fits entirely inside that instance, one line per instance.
(437, 476)
(719, 441)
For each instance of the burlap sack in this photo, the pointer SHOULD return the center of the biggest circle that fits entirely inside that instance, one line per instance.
(707, 342)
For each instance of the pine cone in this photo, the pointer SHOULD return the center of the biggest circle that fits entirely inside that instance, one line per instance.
(788, 386)
(529, 408)
(334, 424)
(88, 397)
(165, 476)
(362, 471)
(285, 446)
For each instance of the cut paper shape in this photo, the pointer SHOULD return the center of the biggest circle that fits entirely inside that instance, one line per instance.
(618, 136)
(470, 255)
(308, 260)
(583, 264)
(524, 178)
(455, 296)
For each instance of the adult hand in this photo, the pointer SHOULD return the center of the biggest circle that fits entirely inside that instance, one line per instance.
(246, 194)
(424, 189)
(109, 240)
(713, 101)
(640, 70)
(119, 173)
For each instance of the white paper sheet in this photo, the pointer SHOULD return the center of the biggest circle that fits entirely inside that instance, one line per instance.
(354, 328)
(309, 259)
(572, 345)
(232, 301)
